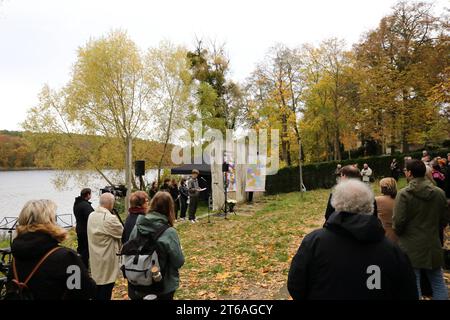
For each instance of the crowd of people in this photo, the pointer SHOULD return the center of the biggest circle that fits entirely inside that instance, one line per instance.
(384, 247)
(40, 262)
(437, 170)
(365, 173)
(185, 195)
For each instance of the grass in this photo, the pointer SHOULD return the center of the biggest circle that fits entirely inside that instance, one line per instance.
(4, 243)
(249, 253)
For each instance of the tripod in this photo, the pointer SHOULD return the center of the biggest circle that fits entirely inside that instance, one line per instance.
(225, 189)
(209, 204)
(225, 209)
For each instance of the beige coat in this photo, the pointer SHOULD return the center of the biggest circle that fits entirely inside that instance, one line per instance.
(104, 234)
(385, 207)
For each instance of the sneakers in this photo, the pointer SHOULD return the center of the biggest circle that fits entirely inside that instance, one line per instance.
(192, 221)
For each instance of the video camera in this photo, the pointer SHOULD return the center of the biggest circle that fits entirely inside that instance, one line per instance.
(119, 191)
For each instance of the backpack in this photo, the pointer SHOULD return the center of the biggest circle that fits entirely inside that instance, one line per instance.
(17, 290)
(139, 257)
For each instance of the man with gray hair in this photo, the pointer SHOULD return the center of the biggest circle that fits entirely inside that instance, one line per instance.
(350, 258)
(104, 235)
(347, 172)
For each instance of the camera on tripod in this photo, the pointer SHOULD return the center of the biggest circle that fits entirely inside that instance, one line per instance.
(119, 191)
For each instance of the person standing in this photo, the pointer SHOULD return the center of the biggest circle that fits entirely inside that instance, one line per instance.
(419, 210)
(82, 208)
(37, 240)
(395, 169)
(175, 193)
(446, 170)
(194, 192)
(165, 186)
(438, 176)
(104, 235)
(385, 206)
(160, 217)
(347, 172)
(337, 172)
(366, 173)
(153, 190)
(426, 158)
(350, 258)
(139, 205)
(184, 196)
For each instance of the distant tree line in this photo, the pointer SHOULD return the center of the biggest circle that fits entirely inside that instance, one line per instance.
(26, 150)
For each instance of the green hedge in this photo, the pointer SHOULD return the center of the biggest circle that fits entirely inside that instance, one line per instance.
(321, 175)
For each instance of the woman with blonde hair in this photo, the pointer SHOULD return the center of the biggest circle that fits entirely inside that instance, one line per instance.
(40, 264)
(158, 224)
(385, 206)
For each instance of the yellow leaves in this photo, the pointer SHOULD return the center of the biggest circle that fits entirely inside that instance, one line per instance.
(212, 296)
(222, 276)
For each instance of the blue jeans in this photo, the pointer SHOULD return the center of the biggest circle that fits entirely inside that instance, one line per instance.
(437, 283)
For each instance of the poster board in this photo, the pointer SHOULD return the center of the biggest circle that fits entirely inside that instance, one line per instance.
(255, 179)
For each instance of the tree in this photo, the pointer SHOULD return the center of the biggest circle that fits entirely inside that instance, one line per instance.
(401, 63)
(330, 100)
(168, 69)
(276, 87)
(219, 99)
(107, 96)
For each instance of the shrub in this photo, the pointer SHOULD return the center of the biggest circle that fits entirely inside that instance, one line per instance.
(321, 175)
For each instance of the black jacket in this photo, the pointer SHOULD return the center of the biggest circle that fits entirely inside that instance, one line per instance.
(184, 192)
(332, 262)
(129, 224)
(174, 192)
(50, 281)
(81, 210)
(165, 187)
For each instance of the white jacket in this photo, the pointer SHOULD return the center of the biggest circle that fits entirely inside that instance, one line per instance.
(104, 236)
(366, 174)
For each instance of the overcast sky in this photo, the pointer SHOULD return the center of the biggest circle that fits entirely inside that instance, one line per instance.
(39, 38)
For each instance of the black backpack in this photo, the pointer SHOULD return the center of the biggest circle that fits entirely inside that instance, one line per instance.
(18, 290)
(140, 261)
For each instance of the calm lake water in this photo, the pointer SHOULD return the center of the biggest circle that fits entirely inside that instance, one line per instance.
(17, 187)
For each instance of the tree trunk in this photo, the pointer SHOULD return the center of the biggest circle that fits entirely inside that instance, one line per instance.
(128, 170)
(337, 146)
(166, 142)
(404, 125)
(289, 160)
(158, 180)
(300, 160)
(284, 139)
(405, 144)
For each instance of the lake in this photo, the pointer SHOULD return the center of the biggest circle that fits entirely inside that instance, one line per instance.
(17, 187)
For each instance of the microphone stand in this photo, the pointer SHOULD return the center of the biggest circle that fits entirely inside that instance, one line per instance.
(209, 197)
